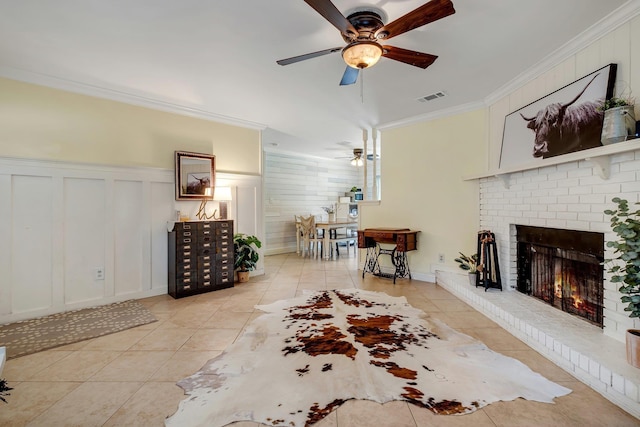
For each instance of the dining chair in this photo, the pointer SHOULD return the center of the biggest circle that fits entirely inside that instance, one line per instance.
(309, 236)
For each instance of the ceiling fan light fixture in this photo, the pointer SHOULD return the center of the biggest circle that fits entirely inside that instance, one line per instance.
(362, 54)
(357, 157)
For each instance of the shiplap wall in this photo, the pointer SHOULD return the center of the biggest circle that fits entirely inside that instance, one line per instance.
(294, 185)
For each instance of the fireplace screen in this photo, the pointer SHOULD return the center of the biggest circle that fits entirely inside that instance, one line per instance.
(563, 268)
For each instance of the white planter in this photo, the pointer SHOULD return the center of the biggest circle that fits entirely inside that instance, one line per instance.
(472, 279)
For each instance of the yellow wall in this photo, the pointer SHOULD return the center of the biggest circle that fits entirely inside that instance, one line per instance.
(422, 186)
(49, 124)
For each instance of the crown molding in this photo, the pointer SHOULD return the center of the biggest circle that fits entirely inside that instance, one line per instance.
(120, 96)
(618, 17)
(446, 112)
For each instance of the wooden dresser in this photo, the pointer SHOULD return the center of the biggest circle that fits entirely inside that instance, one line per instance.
(201, 257)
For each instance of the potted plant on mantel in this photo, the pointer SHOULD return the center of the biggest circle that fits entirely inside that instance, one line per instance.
(470, 265)
(246, 255)
(625, 268)
(619, 119)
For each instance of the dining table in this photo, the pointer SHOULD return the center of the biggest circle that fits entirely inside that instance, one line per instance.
(327, 226)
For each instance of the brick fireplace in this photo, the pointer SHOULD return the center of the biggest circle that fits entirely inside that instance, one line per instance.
(566, 196)
(563, 268)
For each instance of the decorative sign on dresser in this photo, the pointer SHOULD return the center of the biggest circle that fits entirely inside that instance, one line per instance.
(201, 257)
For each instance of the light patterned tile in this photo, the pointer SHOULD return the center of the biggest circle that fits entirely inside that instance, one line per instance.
(149, 406)
(90, 404)
(27, 400)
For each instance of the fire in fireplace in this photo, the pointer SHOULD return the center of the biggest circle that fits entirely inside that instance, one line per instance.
(562, 268)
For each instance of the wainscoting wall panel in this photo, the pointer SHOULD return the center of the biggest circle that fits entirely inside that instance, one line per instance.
(160, 192)
(32, 221)
(61, 222)
(84, 216)
(131, 238)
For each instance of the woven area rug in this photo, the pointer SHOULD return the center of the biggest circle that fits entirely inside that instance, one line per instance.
(34, 335)
(308, 355)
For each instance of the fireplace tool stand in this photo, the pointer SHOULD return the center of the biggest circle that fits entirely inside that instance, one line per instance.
(488, 267)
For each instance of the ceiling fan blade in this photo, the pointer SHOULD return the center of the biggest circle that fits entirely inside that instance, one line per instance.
(350, 76)
(331, 13)
(429, 12)
(308, 56)
(411, 57)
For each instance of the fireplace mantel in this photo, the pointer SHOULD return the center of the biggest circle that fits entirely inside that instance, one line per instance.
(600, 157)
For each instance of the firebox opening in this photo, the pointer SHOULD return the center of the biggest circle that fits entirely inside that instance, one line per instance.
(562, 268)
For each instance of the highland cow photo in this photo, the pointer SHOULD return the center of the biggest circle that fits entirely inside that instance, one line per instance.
(565, 121)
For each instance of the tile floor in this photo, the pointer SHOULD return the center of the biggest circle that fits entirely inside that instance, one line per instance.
(128, 378)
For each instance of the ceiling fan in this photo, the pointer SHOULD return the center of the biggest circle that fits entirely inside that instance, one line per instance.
(358, 157)
(363, 29)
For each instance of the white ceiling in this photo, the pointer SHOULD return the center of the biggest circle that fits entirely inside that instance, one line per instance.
(218, 59)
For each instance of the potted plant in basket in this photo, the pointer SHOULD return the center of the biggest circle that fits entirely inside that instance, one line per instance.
(469, 264)
(625, 267)
(246, 255)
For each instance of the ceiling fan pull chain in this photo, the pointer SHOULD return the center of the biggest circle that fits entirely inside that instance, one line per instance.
(362, 86)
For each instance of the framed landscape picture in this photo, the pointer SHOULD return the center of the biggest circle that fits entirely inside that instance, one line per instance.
(565, 121)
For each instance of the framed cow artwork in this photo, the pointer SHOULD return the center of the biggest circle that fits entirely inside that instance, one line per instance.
(195, 172)
(565, 121)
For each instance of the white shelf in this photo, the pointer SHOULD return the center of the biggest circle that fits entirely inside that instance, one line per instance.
(600, 157)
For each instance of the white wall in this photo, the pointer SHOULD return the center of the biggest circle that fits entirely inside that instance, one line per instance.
(62, 220)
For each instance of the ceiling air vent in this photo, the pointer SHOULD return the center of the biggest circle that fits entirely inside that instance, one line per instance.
(432, 96)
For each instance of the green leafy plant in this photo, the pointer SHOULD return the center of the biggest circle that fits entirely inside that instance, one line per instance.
(246, 254)
(616, 102)
(4, 390)
(467, 263)
(625, 266)
(354, 189)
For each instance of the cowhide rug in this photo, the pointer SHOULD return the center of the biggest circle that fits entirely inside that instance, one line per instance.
(308, 355)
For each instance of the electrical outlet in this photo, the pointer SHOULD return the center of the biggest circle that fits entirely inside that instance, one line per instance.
(441, 258)
(98, 273)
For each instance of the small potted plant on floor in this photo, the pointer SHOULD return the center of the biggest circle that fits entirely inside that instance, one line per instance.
(625, 267)
(470, 265)
(4, 390)
(246, 255)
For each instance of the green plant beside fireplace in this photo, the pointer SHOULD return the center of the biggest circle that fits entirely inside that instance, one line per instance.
(467, 262)
(625, 266)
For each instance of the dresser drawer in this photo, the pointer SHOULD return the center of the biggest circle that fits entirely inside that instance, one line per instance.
(206, 261)
(224, 252)
(224, 277)
(187, 275)
(201, 257)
